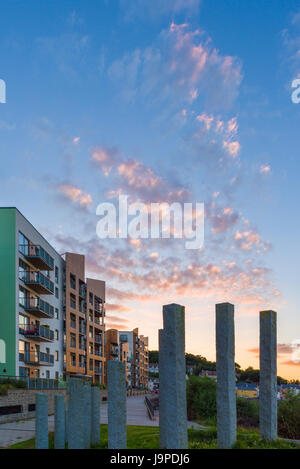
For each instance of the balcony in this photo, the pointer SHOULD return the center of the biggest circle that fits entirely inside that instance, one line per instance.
(40, 333)
(37, 358)
(37, 256)
(97, 370)
(98, 339)
(37, 281)
(38, 307)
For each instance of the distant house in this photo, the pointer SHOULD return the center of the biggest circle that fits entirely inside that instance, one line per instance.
(247, 390)
(209, 373)
(288, 388)
(153, 368)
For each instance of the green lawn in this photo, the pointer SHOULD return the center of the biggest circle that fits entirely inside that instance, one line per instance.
(147, 438)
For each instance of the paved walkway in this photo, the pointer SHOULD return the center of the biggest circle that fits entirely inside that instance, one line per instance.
(14, 432)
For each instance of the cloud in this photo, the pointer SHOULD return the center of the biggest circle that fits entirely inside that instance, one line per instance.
(265, 169)
(134, 178)
(182, 67)
(76, 195)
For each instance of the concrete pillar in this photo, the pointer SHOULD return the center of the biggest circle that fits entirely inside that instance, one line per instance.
(76, 414)
(162, 392)
(95, 426)
(41, 421)
(173, 375)
(59, 418)
(88, 415)
(66, 422)
(268, 375)
(226, 384)
(116, 405)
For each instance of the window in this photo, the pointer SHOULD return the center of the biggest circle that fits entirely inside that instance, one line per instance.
(56, 315)
(73, 321)
(47, 374)
(91, 365)
(73, 340)
(73, 281)
(56, 375)
(56, 355)
(73, 359)
(56, 334)
(56, 274)
(73, 301)
(56, 292)
(91, 298)
(23, 372)
(23, 243)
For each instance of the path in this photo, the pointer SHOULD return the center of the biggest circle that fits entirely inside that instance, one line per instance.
(14, 432)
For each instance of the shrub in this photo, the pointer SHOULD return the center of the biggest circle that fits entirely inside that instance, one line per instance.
(247, 412)
(289, 417)
(201, 398)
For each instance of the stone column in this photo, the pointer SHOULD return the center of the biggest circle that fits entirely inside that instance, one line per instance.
(174, 377)
(88, 415)
(162, 391)
(76, 414)
(226, 383)
(268, 375)
(95, 427)
(41, 421)
(116, 405)
(59, 417)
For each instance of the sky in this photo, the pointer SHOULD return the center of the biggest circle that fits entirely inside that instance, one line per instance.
(163, 101)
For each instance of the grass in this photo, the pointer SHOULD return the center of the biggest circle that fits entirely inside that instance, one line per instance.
(147, 438)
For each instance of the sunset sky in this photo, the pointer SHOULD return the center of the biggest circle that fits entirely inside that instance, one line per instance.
(163, 101)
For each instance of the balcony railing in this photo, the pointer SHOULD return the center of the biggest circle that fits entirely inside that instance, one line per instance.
(38, 307)
(40, 333)
(37, 358)
(97, 370)
(37, 281)
(37, 256)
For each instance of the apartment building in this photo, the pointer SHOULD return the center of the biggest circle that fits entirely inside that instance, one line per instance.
(139, 357)
(116, 350)
(84, 327)
(47, 307)
(31, 286)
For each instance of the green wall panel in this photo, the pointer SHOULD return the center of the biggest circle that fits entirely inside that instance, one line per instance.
(8, 290)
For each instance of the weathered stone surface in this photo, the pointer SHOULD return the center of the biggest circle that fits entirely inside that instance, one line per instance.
(41, 422)
(162, 391)
(59, 419)
(116, 405)
(76, 414)
(95, 436)
(88, 414)
(268, 375)
(174, 377)
(226, 385)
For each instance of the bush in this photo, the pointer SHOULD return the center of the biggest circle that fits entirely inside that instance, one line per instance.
(201, 398)
(247, 412)
(289, 417)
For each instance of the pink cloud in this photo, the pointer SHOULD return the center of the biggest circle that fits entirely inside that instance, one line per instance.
(76, 195)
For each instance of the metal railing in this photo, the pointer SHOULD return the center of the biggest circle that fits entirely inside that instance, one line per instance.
(35, 251)
(37, 358)
(34, 277)
(37, 304)
(149, 408)
(25, 382)
(36, 332)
